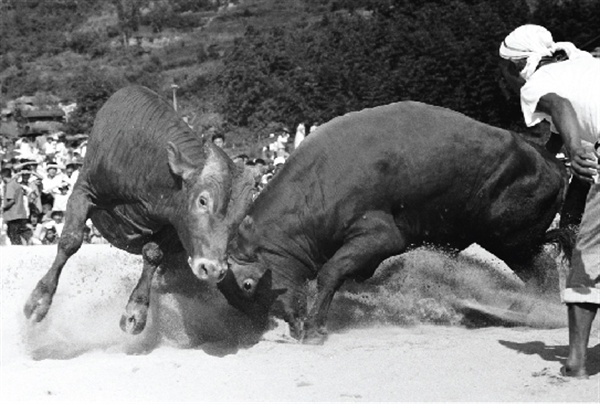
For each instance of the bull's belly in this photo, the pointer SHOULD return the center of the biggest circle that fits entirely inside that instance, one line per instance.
(121, 230)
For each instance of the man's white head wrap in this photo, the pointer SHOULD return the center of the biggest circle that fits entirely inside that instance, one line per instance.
(532, 42)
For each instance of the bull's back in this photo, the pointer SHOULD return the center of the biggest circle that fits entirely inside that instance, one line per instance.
(126, 157)
(416, 161)
(401, 152)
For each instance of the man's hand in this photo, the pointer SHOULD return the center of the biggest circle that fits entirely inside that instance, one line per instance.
(584, 163)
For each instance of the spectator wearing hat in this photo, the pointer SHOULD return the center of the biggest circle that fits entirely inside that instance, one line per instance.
(33, 193)
(72, 172)
(14, 208)
(57, 222)
(51, 182)
(31, 182)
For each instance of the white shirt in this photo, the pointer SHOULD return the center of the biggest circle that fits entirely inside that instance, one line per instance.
(60, 202)
(577, 80)
(51, 185)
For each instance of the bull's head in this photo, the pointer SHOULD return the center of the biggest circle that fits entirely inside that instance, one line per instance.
(216, 196)
(248, 284)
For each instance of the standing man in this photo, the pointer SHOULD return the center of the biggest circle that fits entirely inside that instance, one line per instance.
(14, 208)
(562, 85)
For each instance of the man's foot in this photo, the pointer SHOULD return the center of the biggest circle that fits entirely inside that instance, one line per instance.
(578, 373)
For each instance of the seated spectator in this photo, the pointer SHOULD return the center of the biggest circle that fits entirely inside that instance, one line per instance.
(46, 212)
(51, 182)
(72, 172)
(37, 229)
(51, 146)
(56, 223)
(25, 147)
(50, 236)
(95, 236)
(61, 198)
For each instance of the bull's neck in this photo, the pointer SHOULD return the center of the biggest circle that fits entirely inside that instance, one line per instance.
(174, 208)
(284, 235)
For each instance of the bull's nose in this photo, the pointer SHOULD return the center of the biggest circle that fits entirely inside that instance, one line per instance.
(206, 269)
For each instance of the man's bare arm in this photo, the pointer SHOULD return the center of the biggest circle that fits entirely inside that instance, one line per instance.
(563, 115)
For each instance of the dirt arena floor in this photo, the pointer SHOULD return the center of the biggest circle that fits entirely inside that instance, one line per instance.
(426, 328)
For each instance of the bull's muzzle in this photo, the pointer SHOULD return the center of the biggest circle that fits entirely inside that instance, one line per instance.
(207, 269)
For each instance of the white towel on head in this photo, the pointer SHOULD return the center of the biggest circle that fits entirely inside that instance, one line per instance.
(532, 42)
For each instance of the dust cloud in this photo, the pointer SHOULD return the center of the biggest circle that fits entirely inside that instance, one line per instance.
(421, 287)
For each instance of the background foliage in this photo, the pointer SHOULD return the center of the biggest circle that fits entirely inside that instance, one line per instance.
(243, 70)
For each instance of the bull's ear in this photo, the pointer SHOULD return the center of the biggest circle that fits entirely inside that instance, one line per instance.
(217, 162)
(245, 242)
(179, 163)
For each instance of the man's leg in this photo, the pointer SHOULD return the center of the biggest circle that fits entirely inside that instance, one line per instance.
(581, 317)
(582, 293)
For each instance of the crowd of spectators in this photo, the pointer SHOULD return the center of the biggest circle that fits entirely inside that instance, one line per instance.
(272, 156)
(38, 175)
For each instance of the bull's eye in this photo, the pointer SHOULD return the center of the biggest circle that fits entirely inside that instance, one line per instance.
(203, 201)
(248, 286)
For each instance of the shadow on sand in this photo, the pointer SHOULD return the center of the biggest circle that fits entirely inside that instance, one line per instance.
(555, 353)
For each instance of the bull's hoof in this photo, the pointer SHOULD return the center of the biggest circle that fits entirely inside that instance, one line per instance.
(579, 373)
(134, 320)
(314, 336)
(38, 304)
(296, 329)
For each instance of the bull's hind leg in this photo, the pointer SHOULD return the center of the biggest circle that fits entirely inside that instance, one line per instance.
(134, 319)
(70, 241)
(370, 241)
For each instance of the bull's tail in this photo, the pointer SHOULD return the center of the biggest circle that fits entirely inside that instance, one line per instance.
(563, 238)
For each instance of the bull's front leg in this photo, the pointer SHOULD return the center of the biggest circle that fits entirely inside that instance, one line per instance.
(134, 319)
(371, 239)
(70, 241)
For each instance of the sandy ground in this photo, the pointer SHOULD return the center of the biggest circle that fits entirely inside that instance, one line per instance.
(78, 353)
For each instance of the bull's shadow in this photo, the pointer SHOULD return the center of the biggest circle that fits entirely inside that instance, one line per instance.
(555, 353)
(190, 313)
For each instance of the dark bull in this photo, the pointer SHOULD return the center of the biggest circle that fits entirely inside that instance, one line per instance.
(374, 183)
(151, 187)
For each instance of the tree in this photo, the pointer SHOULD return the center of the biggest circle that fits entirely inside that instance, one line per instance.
(129, 14)
(91, 87)
(443, 52)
